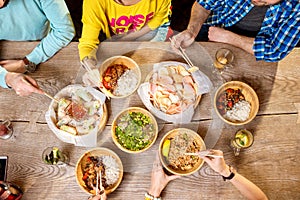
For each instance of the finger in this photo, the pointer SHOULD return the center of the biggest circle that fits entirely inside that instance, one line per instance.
(32, 84)
(173, 177)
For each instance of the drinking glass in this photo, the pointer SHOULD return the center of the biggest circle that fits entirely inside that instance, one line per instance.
(6, 129)
(10, 191)
(242, 139)
(223, 60)
(54, 156)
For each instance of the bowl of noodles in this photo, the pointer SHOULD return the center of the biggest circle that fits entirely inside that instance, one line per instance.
(99, 160)
(120, 76)
(173, 148)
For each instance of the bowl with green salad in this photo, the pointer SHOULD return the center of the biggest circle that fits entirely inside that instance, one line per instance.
(134, 130)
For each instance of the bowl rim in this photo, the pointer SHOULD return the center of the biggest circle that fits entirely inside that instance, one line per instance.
(195, 134)
(113, 125)
(138, 70)
(114, 155)
(236, 83)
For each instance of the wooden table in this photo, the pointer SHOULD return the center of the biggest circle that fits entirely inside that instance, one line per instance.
(271, 162)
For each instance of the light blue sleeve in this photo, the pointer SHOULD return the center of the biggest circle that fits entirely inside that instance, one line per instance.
(3, 73)
(60, 34)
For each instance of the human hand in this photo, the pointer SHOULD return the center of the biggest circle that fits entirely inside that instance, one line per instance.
(183, 39)
(13, 65)
(159, 179)
(22, 84)
(217, 34)
(98, 197)
(217, 164)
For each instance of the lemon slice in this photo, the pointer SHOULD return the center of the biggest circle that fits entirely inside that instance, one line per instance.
(166, 148)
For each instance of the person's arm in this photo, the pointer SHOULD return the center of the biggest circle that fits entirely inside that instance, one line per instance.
(60, 34)
(246, 187)
(93, 19)
(159, 179)
(198, 16)
(217, 34)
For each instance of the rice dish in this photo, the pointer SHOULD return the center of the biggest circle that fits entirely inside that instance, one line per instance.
(126, 83)
(106, 165)
(239, 112)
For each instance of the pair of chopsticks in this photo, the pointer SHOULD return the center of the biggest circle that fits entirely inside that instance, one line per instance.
(92, 74)
(185, 57)
(204, 153)
(99, 176)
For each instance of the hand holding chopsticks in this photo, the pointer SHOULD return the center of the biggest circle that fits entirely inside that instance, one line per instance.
(185, 57)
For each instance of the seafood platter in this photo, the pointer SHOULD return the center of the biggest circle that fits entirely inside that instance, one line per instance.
(96, 161)
(175, 146)
(172, 91)
(134, 130)
(78, 116)
(236, 103)
(120, 76)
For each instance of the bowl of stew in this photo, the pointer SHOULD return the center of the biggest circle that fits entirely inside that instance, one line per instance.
(134, 130)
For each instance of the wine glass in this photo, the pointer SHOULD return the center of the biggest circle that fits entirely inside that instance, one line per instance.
(54, 156)
(6, 129)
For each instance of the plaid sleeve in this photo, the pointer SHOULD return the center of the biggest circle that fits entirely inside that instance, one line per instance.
(283, 40)
(209, 4)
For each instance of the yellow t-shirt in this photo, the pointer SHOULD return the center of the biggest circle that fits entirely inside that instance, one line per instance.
(113, 18)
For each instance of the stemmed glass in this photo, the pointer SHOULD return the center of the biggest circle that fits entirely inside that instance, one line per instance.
(6, 129)
(54, 156)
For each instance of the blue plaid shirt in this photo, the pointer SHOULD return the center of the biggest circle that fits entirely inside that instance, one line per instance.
(280, 30)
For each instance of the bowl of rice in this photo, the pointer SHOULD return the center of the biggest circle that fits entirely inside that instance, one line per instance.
(120, 76)
(173, 149)
(236, 103)
(134, 130)
(99, 160)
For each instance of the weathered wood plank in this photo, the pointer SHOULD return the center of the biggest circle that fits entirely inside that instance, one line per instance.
(271, 162)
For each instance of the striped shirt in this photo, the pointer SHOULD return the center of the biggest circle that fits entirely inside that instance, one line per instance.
(280, 30)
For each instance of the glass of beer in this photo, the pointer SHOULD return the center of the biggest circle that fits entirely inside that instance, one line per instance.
(223, 59)
(242, 139)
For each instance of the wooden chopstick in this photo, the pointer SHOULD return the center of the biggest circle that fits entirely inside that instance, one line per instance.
(209, 155)
(183, 54)
(51, 97)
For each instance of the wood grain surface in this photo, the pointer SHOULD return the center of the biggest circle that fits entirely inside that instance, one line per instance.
(271, 162)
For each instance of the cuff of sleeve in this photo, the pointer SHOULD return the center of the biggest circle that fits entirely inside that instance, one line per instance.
(34, 57)
(3, 73)
(259, 47)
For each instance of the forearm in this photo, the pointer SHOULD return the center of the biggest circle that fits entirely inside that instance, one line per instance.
(198, 17)
(134, 35)
(240, 41)
(247, 188)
